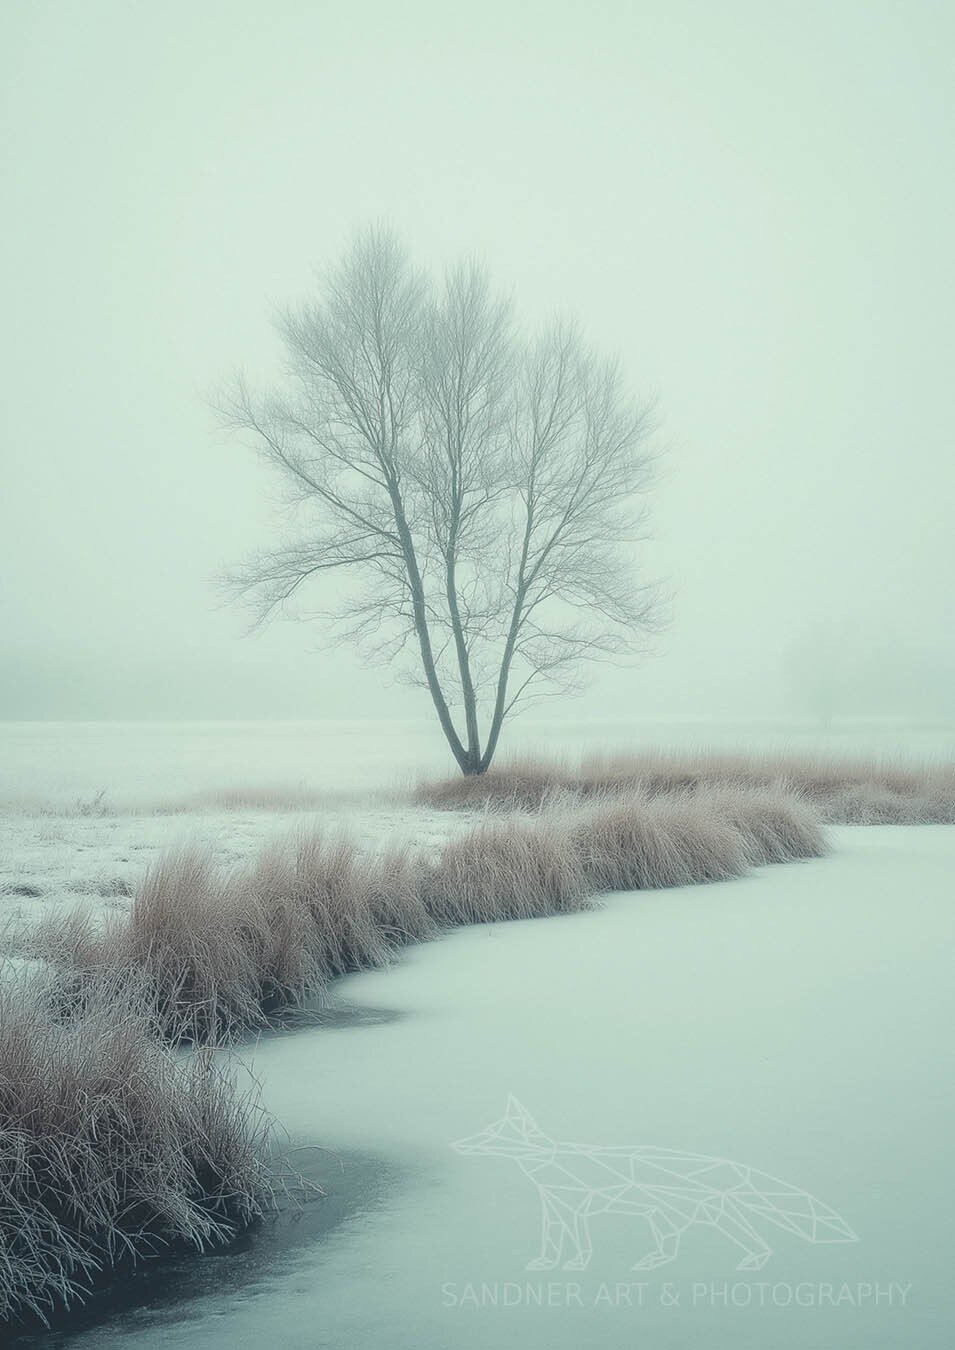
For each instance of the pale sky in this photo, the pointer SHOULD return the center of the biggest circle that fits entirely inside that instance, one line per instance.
(752, 203)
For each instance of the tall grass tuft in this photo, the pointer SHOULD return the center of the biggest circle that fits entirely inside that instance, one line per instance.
(642, 843)
(777, 826)
(217, 952)
(193, 939)
(324, 886)
(874, 804)
(845, 791)
(507, 869)
(520, 785)
(111, 1148)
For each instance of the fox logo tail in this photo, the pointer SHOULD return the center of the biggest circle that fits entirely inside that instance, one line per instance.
(794, 1210)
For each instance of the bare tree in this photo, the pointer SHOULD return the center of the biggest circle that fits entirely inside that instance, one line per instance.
(484, 488)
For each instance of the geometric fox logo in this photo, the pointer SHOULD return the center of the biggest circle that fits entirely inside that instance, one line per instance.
(670, 1190)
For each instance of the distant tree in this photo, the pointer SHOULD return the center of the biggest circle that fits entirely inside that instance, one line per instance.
(483, 487)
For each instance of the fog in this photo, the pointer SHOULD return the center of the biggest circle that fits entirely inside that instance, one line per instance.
(751, 204)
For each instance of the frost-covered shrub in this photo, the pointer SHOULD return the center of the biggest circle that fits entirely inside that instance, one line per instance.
(111, 1147)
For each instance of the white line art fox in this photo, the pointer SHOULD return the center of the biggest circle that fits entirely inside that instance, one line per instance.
(669, 1189)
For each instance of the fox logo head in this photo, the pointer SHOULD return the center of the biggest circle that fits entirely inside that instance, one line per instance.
(515, 1133)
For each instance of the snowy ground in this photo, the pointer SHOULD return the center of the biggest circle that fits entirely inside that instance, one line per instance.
(797, 1021)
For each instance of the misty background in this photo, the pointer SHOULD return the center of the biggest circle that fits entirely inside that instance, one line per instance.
(751, 204)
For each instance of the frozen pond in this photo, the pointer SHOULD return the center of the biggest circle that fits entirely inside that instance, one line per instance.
(797, 1022)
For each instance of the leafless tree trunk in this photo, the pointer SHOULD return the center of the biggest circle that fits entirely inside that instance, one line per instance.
(483, 488)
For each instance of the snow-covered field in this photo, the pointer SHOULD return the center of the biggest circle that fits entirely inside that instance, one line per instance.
(51, 863)
(797, 1021)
